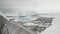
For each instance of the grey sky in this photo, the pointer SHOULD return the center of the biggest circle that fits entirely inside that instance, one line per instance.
(42, 6)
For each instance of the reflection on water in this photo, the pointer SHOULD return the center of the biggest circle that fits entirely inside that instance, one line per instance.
(35, 24)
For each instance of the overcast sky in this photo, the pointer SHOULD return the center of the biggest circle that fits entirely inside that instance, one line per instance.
(42, 6)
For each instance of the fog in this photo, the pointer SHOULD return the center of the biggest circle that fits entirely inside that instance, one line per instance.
(40, 6)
